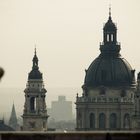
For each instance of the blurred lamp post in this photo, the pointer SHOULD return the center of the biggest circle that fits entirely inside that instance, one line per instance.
(1, 72)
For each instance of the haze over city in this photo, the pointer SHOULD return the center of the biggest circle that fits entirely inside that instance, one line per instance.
(67, 36)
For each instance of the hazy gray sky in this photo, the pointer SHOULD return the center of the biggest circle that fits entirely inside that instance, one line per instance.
(67, 34)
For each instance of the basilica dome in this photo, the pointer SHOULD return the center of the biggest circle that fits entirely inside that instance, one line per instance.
(114, 71)
(110, 68)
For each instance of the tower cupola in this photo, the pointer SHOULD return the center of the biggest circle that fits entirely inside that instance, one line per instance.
(35, 73)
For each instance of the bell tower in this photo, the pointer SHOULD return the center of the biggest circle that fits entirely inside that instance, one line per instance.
(35, 112)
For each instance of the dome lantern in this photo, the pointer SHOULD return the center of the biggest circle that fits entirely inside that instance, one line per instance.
(110, 46)
(110, 30)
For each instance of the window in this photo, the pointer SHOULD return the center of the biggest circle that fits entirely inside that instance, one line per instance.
(102, 121)
(79, 118)
(107, 37)
(44, 124)
(92, 121)
(113, 121)
(126, 121)
(139, 105)
(33, 104)
(111, 37)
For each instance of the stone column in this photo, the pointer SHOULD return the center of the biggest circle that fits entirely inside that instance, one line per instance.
(107, 113)
(96, 119)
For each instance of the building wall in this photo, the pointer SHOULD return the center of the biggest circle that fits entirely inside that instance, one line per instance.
(110, 102)
(34, 124)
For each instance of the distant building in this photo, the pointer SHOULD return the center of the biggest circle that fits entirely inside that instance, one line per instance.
(35, 112)
(61, 110)
(4, 127)
(111, 98)
(13, 119)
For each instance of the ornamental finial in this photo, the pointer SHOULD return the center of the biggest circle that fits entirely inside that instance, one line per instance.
(35, 49)
(109, 10)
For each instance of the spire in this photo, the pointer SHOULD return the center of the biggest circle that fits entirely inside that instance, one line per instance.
(35, 73)
(13, 118)
(109, 19)
(35, 60)
(109, 10)
(35, 49)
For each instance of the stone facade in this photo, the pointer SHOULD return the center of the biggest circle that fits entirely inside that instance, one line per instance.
(35, 112)
(98, 112)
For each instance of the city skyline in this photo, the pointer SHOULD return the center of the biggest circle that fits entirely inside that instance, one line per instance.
(67, 42)
(52, 94)
(67, 38)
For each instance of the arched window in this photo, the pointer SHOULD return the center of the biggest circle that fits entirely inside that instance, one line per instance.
(79, 120)
(113, 121)
(102, 121)
(32, 104)
(92, 120)
(111, 37)
(126, 121)
(139, 104)
(44, 124)
(107, 37)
